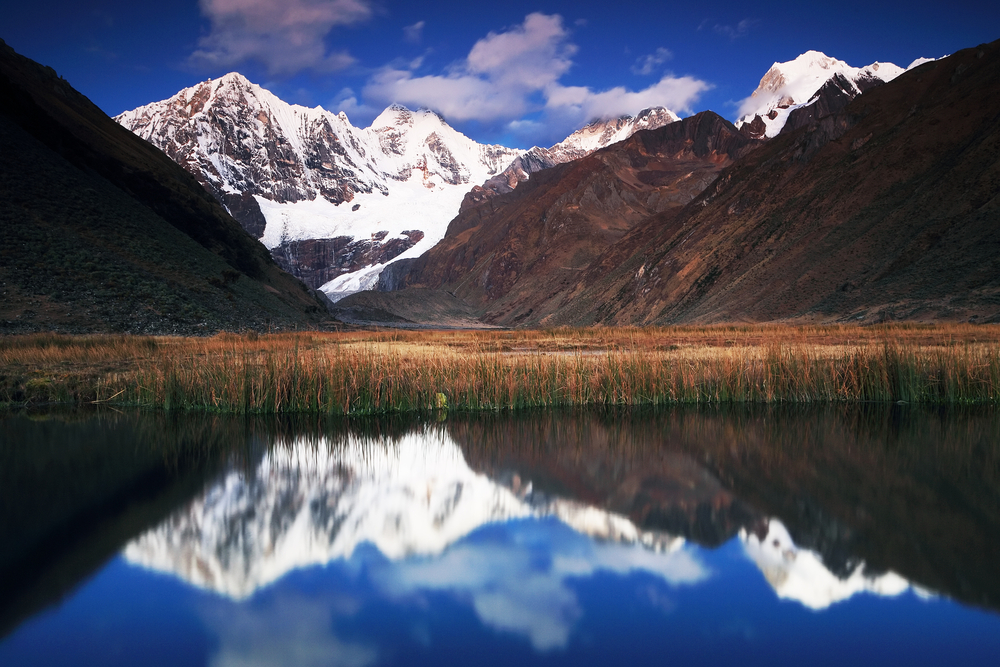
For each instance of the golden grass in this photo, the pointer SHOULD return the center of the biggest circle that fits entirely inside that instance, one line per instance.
(399, 371)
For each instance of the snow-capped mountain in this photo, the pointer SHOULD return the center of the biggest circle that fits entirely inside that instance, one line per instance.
(332, 202)
(310, 503)
(324, 196)
(594, 136)
(800, 83)
(799, 574)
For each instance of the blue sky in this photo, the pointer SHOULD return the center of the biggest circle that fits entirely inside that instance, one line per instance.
(510, 72)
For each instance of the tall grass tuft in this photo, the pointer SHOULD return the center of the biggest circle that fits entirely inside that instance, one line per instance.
(384, 372)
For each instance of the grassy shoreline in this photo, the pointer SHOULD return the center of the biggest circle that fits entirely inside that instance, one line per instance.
(403, 371)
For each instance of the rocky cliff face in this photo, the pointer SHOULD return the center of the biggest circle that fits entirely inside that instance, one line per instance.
(292, 175)
(318, 261)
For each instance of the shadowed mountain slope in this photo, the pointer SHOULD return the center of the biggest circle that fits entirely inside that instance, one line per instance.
(516, 255)
(885, 210)
(102, 232)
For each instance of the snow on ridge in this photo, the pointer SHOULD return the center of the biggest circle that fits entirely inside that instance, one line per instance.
(316, 176)
(920, 61)
(791, 85)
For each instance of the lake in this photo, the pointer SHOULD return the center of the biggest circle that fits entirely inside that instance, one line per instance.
(825, 535)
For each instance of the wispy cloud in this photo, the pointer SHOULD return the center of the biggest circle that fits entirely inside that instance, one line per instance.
(650, 63)
(414, 33)
(515, 73)
(286, 37)
(281, 629)
(347, 101)
(734, 32)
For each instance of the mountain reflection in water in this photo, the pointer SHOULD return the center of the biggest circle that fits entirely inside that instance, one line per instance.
(506, 515)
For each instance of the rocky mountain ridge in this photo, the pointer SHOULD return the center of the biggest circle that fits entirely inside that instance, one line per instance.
(593, 136)
(517, 256)
(880, 211)
(332, 202)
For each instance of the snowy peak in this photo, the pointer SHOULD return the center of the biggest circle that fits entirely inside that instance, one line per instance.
(285, 173)
(238, 138)
(797, 83)
(395, 115)
(601, 133)
(332, 202)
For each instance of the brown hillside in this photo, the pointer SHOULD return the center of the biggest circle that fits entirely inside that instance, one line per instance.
(516, 255)
(888, 209)
(103, 232)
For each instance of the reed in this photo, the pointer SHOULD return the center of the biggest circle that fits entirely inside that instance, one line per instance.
(397, 371)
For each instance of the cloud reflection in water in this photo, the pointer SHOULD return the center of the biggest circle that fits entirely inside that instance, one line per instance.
(518, 577)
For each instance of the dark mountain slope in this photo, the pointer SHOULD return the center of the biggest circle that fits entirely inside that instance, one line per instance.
(888, 209)
(515, 255)
(102, 232)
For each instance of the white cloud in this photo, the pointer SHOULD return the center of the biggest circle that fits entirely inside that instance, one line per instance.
(649, 63)
(496, 79)
(287, 629)
(532, 55)
(286, 37)
(675, 93)
(509, 75)
(512, 590)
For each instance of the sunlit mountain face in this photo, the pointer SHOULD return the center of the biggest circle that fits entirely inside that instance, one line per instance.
(534, 537)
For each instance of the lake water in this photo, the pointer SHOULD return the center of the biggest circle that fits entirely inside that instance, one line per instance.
(708, 536)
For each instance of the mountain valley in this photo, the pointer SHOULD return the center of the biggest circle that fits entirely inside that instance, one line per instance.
(843, 194)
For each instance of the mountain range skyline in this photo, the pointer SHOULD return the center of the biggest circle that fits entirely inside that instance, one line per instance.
(519, 75)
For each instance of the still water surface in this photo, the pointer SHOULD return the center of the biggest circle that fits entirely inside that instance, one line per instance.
(828, 536)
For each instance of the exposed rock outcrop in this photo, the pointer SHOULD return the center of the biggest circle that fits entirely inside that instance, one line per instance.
(318, 261)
